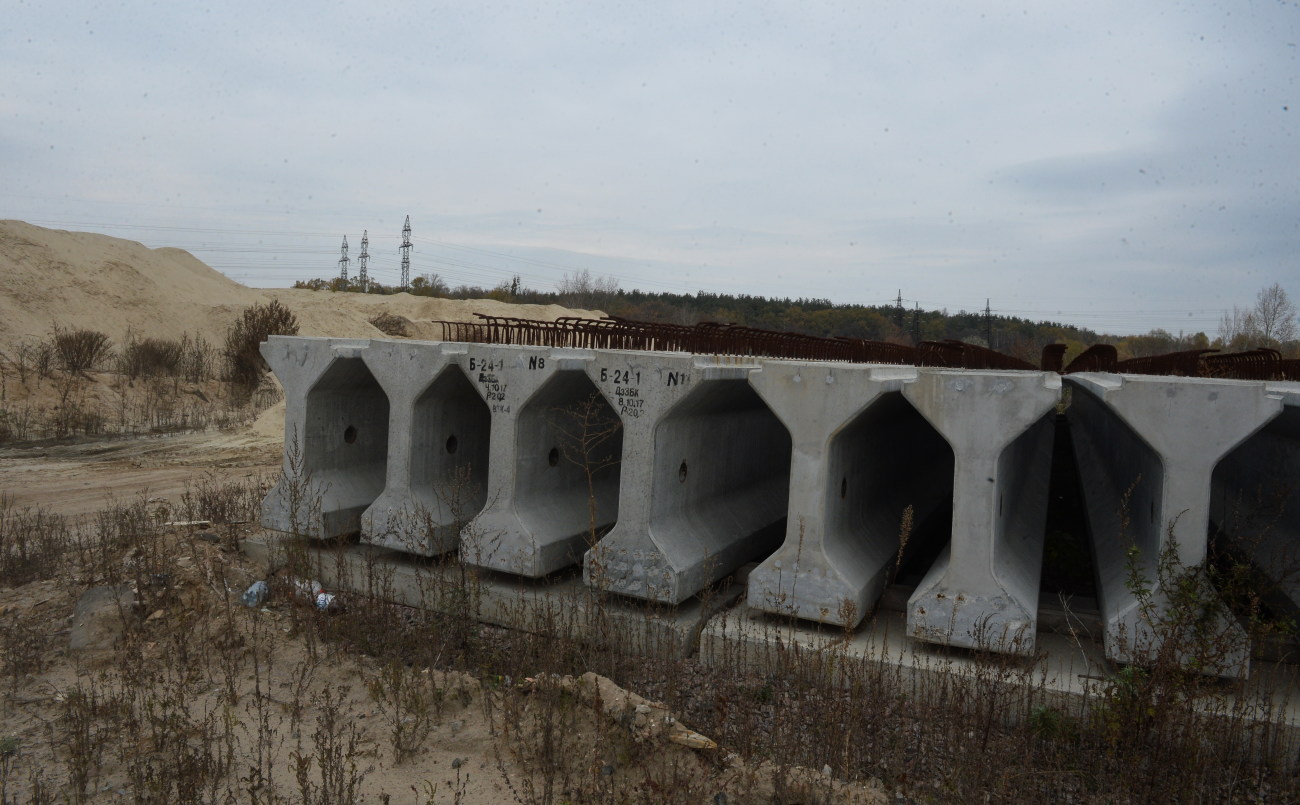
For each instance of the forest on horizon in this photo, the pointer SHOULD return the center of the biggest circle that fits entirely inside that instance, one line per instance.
(1011, 335)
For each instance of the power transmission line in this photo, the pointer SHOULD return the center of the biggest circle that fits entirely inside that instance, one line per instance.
(362, 259)
(406, 254)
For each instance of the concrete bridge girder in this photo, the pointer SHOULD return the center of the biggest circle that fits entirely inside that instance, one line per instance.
(437, 450)
(1256, 505)
(1147, 448)
(534, 521)
(982, 592)
(704, 474)
(336, 436)
(853, 449)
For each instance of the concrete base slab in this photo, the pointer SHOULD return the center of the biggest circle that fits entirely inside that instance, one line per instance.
(1062, 664)
(561, 606)
(1069, 671)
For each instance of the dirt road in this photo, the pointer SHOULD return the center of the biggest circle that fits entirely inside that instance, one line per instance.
(79, 479)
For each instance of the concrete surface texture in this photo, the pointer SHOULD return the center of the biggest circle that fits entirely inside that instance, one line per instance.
(663, 473)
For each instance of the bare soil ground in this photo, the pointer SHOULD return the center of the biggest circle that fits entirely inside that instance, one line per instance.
(80, 478)
(180, 693)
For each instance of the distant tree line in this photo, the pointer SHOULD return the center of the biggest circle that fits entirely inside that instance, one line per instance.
(1270, 323)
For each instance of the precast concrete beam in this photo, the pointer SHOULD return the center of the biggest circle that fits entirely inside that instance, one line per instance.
(861, 455)
(336, 436)
(982, 591)
(705, 474)
(1147, 448)
(437, 448)
(539, 505)
(1256, 500)
(570, 443)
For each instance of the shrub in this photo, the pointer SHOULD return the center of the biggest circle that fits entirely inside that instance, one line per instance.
(244, 363)
(33, 543)
(196, 358)
(189, 358)
(390, 324)
(79, 350)
(43, 358)
(151, 357)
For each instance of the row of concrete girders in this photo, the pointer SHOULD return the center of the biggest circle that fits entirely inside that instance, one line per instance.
(721, 461)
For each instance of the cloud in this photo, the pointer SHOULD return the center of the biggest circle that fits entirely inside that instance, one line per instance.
(1110, 157)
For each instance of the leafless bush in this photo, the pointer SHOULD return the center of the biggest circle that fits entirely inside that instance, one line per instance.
(22, 647)
(590, 436)
(411, 703)
(244, 363)
(33, 543)
(80, 350)
(335, 756)
(197, 358)
(151, 357)
(189, 358)
(17, 422)
(74, 414)
(24, 359)
(43, 358)
(85, 730)
(122, 528)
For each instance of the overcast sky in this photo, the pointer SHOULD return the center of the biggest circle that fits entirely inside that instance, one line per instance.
(1120, 165)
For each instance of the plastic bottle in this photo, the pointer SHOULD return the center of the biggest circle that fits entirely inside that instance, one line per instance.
(256, 594)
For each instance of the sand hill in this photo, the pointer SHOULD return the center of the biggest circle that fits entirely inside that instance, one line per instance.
(51, 277)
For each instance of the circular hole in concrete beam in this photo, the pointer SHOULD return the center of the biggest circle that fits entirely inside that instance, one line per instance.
(681, 473)
(350, 434)
(451, 443)
(553, 457)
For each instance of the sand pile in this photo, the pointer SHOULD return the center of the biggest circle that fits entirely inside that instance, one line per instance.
(75, 280)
